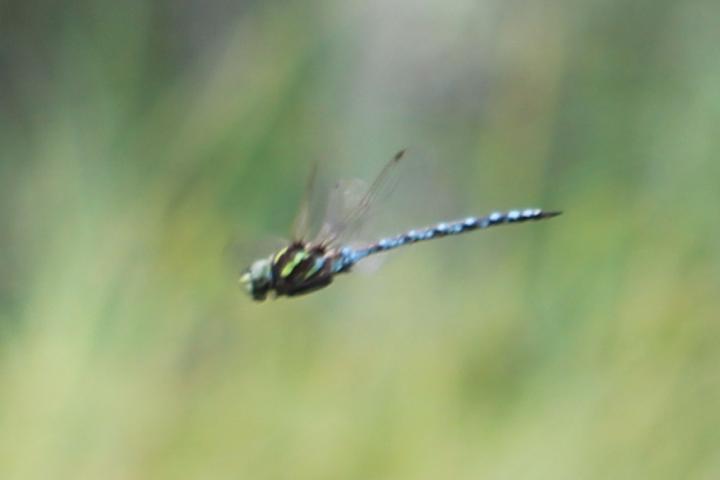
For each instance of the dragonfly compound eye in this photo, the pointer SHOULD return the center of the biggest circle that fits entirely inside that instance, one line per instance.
(257, 279)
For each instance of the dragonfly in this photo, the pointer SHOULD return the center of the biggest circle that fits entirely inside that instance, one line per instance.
(306, 265)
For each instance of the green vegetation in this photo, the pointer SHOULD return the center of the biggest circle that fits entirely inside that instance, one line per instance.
(140, 141)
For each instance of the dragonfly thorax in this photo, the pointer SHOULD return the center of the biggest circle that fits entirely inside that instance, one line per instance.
(294, 270)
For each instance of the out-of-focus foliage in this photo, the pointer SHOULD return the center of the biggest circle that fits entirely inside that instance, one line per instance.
(140, 141)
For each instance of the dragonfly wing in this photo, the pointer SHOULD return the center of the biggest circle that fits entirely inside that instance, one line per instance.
(301, 224)
(351, 201)
(342, 200)
(239, 254)
(368, 265)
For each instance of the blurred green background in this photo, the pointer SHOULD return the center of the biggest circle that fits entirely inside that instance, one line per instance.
(139, 139)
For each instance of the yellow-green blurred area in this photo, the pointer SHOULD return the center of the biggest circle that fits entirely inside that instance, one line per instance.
(141, 141)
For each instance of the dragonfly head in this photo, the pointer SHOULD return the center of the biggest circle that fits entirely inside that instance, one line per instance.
(257, 279)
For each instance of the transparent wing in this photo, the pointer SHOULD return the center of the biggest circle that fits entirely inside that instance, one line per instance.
(239, 253)
(351, 201)
(344, 197)
(301, 225)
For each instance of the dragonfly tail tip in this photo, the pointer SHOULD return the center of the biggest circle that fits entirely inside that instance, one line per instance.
(551, 214)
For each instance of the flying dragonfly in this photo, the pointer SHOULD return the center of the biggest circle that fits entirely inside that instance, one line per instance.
(304, 265)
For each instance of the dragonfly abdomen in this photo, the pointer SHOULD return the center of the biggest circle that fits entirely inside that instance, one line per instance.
(348, 257)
